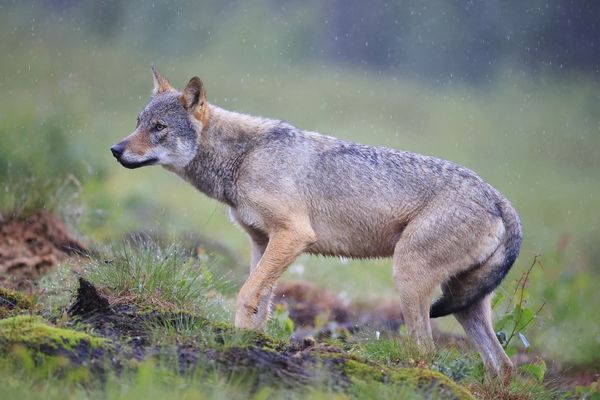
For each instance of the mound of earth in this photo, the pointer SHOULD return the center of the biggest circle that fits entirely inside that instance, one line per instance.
(269, 361)
(310, 306)
(319, 313)
(30, 246)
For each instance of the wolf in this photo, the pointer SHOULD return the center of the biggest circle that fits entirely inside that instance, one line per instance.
(295, 192)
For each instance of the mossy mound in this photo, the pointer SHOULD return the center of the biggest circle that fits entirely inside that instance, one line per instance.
(271, 361)
(418, 377)
(33, 332)
(13, 303)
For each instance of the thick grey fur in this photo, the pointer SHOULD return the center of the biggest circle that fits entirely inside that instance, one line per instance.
(441, 223)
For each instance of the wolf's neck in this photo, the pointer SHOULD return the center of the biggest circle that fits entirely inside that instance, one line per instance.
(222, 147)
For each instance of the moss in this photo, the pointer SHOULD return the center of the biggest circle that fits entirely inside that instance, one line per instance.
(358, 370)
(13, 303)
(33, 331)
(247, 338)
(214, 334)
(420, 376)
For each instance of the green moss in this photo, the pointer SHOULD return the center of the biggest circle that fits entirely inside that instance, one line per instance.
(185, 326)
(33, 331)
(419, 376)
(13, 303)
(358, 370)
(234, 337)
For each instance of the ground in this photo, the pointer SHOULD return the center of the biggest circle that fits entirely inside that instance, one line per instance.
(87, 316)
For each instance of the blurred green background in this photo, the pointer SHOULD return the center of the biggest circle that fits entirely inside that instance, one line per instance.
(509, 89)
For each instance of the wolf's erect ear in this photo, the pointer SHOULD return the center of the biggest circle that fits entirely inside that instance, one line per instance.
(193, 95)
(160, 83)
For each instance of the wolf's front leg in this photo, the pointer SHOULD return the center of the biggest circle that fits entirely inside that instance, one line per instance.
(258, 247)
(254, 298)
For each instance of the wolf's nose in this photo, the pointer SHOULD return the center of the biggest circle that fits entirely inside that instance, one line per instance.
(117, 150)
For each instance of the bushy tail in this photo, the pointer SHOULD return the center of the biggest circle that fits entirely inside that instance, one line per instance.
(471, 286)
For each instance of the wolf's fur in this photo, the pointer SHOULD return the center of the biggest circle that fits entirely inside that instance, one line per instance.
(298, 192)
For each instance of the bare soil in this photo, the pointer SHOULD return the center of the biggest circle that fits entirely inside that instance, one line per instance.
(310, 305)
(30, 247)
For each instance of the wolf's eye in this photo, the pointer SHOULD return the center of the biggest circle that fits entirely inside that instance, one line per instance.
(159, 127)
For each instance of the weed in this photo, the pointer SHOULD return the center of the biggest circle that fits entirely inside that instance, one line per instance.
(517, 315)
(280, 324)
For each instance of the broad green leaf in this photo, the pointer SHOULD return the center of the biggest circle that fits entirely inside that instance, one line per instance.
(535, 370)
(506, 323)
(527, 315)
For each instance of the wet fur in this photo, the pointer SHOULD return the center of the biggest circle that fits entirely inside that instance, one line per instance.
(295, 192)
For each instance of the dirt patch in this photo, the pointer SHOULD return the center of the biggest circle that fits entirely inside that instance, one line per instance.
(310, 306)
(572, 376)
(306, 303)
(30, 247)
(318, 313)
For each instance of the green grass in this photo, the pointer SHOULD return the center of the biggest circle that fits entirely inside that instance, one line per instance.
(377, 368)
(148, 275)
(536, 140)
(23, 196)
(154, 379)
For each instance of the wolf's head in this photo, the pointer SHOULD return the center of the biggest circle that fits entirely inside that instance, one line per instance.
(167, 128)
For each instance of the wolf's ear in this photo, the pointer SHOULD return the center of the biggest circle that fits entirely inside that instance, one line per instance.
(160, 83)
(193, 95)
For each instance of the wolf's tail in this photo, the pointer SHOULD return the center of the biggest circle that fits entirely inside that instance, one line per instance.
(471, 286)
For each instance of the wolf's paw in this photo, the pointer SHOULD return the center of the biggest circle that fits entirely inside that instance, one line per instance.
(252, 311)
(248, 318)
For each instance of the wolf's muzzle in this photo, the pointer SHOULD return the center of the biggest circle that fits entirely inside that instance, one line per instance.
(118, 150)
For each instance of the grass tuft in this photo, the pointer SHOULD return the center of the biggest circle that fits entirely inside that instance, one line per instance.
(151, 276)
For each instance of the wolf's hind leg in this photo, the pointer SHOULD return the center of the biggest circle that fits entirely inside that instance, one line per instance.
(476, 320)
(415, 286)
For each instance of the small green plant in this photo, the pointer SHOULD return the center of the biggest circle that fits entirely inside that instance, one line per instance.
(518, 315)
(590, 392)
(535, 370)
(280, 324)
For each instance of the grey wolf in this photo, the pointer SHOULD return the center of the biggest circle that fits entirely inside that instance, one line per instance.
(295, 192)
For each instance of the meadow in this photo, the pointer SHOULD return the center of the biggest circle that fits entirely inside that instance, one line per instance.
(68, 96)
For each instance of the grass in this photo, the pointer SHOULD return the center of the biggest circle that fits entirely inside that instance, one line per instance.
(380, 368)
(23, 196)
(145, 274)
(154, 379)
(534, 139)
